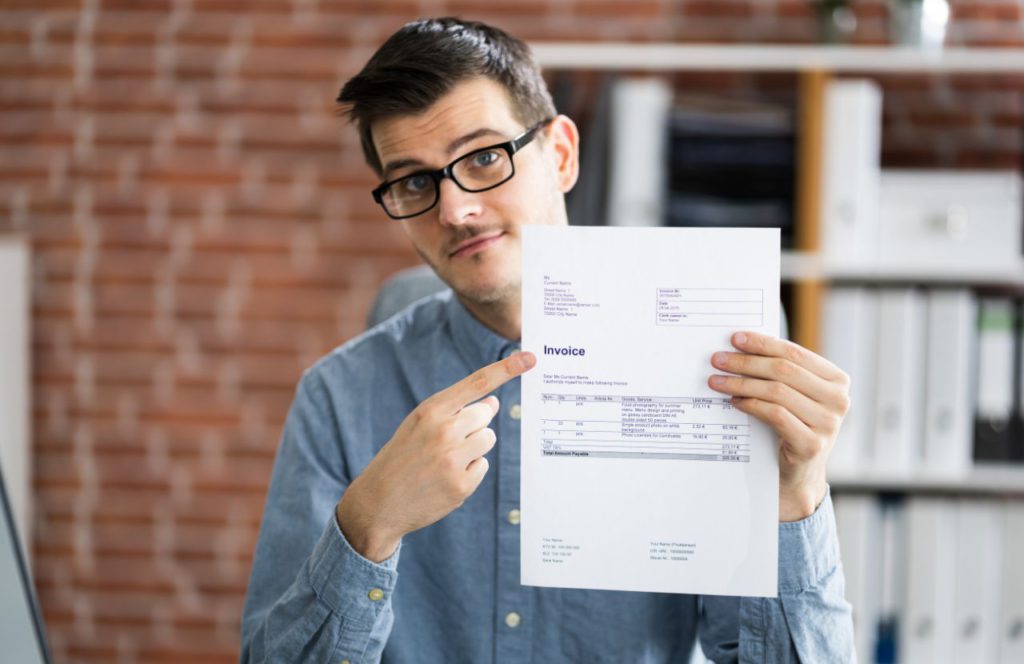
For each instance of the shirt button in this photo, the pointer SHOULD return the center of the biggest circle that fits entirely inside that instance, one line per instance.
(513, 517)
(512, 619)
(515, 412)
(345, 661)
(376, 594)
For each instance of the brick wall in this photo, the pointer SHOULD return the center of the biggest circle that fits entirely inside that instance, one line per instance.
(202, 232)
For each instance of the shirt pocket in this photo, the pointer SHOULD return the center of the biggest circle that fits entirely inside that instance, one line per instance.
(618, 626)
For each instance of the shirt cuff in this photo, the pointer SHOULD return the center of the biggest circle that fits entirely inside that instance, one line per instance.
(355, 587)
(808, 549)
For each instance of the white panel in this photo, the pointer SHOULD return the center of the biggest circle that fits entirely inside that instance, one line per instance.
(15, 455)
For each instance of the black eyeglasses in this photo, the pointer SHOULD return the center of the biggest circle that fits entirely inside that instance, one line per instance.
(476, 171)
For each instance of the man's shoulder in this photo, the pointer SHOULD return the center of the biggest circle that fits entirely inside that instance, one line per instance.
(408, 331)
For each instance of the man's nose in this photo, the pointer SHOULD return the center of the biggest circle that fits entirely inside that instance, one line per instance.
(456, 206)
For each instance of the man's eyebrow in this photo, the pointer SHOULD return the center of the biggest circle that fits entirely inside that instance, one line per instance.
(471, 136)
(452, 147)
(399, 163)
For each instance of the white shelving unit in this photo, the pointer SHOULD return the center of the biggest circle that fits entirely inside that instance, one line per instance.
(613, 56)
(983, 478)
(810, 267)
(797, 265)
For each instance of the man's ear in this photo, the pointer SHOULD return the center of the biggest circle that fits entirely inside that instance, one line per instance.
(565, 147)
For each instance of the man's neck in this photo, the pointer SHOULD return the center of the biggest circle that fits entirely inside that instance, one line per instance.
(501, 317)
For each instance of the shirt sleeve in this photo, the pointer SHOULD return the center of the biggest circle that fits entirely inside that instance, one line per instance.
(809, 621)
(311, 596)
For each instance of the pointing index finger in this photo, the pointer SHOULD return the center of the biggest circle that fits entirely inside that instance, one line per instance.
(483, 381)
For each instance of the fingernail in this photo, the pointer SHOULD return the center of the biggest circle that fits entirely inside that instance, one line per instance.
(717, 380)
(527, 360)
(718, 358)
(741, 338)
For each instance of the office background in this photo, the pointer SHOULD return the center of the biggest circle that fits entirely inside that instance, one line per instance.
(200, 231)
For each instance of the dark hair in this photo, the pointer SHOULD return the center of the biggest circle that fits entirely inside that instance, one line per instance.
(425, 59)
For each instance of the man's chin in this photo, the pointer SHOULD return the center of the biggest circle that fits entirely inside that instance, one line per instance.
(480, 289)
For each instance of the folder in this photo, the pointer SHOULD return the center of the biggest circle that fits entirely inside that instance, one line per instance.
(995, 380)
(977, 581)
(1011, 626)
(949, 417)
(926, 632)
(899, 408)
(859, 528)
(851, 169)
(850, 342)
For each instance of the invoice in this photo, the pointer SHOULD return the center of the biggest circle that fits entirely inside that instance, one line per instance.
(635, 474)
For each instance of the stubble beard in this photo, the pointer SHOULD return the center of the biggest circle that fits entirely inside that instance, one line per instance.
(486, 295)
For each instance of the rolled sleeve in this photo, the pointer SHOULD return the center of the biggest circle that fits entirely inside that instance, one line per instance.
(356, 588)
(811, 621)
(808, 549)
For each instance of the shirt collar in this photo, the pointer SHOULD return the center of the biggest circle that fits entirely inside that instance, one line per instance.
(478, 344)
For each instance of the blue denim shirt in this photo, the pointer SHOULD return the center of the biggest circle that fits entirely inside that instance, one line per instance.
(451, 591)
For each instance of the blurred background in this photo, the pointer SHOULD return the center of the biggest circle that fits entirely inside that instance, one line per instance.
(186, 225)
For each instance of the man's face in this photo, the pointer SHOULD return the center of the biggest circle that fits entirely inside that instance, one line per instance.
(472, 240)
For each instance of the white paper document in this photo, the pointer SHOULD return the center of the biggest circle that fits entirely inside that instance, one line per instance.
(635, 474)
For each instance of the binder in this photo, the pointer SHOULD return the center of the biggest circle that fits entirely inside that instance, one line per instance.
(640, 110)
(859, 528)
(851, 169)
(949, 417)
(899, 402)
(926, 633)
(955, 217)
(850, 341)
(894, 573)
(992, 436)
(1011, 625)
(977, 581)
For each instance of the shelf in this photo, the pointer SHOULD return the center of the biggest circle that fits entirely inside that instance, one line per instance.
(982, 479)
(803, 266)
(679, 57)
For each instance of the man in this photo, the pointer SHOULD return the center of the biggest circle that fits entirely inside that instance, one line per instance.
(404, 442)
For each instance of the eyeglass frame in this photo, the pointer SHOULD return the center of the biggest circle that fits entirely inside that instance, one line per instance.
(510, 147)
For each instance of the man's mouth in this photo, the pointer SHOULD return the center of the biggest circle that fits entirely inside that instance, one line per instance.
(476, 244)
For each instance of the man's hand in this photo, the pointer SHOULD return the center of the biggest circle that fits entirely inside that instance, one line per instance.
(801, 395)
(432, 464)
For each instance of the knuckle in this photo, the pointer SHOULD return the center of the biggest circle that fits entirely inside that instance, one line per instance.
(446, 429)
(844, 402)
(464, 486)
(793, 353)
(478, 382)
(844, 379)
(782, 367)
(427, 412)
(777, 415)
(776, 391)
(450, 462)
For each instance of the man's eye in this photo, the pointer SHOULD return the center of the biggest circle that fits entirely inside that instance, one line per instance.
(486, 158)
(416, 184)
